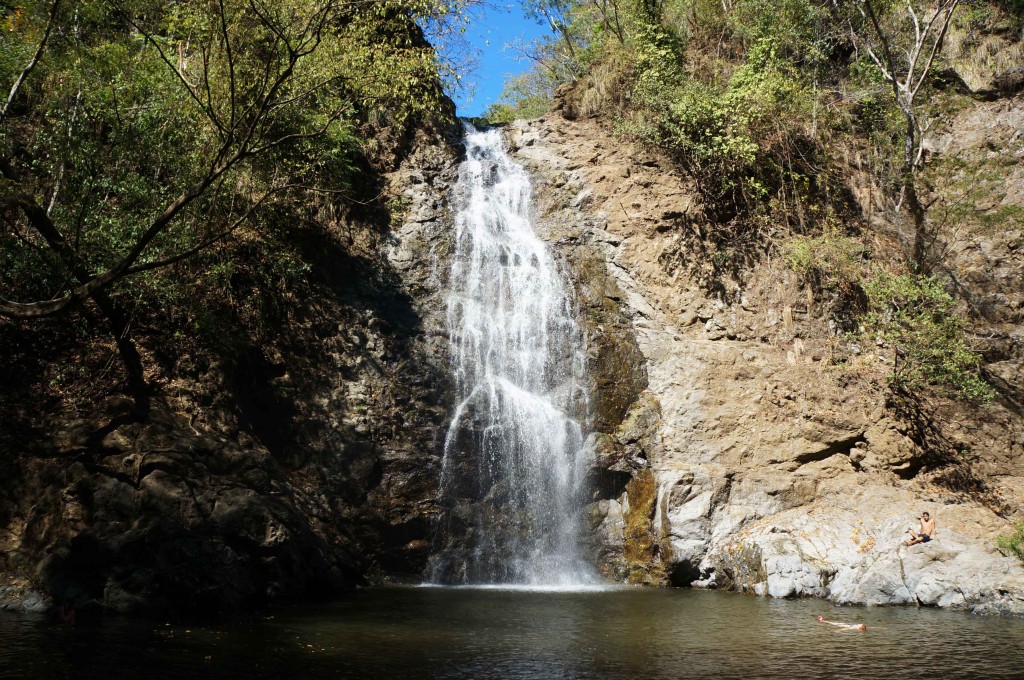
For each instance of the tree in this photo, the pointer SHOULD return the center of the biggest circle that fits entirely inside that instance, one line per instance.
(137, 135)
(243, 111)
(917, 318)
(906, 69)
(556, 14)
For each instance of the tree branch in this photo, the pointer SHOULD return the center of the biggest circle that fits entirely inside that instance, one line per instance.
(290, 137)
(246, 136)
(889, 74)
(50, 21)
(230, 57)
(202, 245)
(937, 45)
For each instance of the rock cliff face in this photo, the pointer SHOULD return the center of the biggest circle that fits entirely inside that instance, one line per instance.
(730, 451)
(296, 470)
(733, 452)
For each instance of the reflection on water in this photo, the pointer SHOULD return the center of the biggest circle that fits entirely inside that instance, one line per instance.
(475, 633)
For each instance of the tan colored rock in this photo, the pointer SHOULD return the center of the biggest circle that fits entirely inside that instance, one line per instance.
(776, 472)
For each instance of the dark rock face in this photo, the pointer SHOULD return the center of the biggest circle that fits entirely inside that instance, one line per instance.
(158, 518)
(1010, 82)
(293, 470)
(615, 364)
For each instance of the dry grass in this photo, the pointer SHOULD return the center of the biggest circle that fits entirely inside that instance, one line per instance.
(606, 85)
(978, 57)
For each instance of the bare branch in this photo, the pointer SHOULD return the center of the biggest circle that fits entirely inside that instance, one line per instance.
(291, 137)
(264, 83)
(937, 45)
(203, 245)
(205, 54)
(887, 51)
(35, 310)
(244, 136)
(50, 21)
(230, 57)
(920, 37)
(281, 103)
(12, 196)
(264, 15)
(917, 24)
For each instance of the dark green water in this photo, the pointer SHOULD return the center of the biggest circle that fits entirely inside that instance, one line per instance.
(476, 634)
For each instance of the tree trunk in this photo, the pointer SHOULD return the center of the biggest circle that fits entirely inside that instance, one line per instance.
(116, 318)
(117, 321)
(918, 257)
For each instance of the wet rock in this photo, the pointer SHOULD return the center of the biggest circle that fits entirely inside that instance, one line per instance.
(18, 595)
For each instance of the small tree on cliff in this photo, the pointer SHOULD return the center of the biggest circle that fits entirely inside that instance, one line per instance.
(903, 43)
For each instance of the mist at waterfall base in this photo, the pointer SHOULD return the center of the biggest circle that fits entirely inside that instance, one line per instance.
(514, 472)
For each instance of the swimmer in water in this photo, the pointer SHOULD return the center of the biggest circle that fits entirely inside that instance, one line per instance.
(844, 626)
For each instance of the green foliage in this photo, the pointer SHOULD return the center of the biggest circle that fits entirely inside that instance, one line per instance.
(731, 120)
(917, 318)
(830, 261)
(386, 70)
(731, 134)
(1014, 543)
(525, 96)
(547, 12)
(132, 104)
(1015, 10)
(556, 59)
(745, 94)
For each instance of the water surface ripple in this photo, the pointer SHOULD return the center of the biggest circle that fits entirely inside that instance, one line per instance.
(479, 634)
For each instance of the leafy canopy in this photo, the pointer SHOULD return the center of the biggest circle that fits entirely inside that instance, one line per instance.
(147, 132)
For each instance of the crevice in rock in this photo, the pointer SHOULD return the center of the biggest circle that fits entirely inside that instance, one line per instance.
(841, 446)
(683, 573)
(903, 575)
(609, 484)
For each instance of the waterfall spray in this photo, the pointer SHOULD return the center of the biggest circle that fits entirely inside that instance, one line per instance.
(515, 463)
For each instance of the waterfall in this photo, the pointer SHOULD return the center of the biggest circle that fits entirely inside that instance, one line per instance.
(515, 464)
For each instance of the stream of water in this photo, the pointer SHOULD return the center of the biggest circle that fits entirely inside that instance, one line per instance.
(514, 457)
(480, 634)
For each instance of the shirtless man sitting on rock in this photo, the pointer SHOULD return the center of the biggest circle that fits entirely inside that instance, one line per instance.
(926, 532)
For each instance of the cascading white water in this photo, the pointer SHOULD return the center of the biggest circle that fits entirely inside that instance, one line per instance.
(515, 463)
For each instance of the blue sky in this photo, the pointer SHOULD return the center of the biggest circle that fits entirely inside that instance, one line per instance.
(491, 28)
